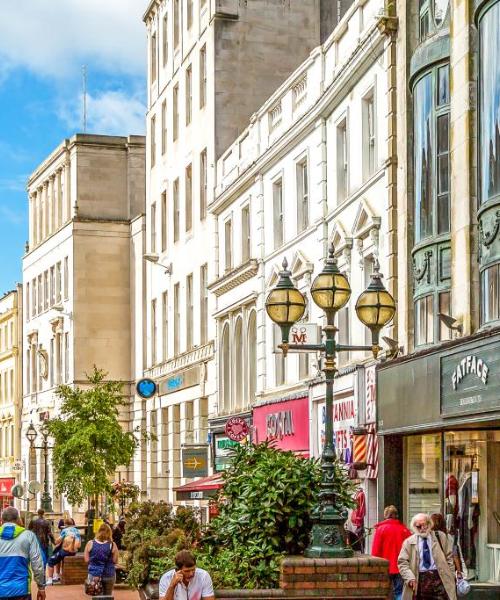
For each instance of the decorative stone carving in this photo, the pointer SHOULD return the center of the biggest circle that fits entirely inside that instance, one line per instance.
(425, 269)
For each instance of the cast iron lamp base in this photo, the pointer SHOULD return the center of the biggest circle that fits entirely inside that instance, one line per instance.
(46, 502)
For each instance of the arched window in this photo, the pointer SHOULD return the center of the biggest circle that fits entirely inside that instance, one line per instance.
(239, 376)
(226, 369)
(252, 357)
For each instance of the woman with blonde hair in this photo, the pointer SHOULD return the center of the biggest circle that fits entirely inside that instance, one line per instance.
(101, 555)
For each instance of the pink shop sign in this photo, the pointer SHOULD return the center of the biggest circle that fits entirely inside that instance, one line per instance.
(286, 423)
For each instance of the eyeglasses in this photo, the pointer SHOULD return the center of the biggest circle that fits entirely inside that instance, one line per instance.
(421, 526)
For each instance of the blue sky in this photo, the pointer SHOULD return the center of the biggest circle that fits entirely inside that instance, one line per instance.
(43, 45)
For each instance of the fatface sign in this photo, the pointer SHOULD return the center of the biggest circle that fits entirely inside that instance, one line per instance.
(470, 380)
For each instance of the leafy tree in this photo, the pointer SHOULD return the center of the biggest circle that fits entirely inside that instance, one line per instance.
(264, 513)
(89, 442)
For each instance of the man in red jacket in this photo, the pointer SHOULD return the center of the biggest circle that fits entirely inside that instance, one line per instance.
(387, 541)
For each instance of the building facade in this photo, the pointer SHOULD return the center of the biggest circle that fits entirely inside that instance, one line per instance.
(438, 404)
(211, 66)
(77, 275)
(315, 165)
(10, 391)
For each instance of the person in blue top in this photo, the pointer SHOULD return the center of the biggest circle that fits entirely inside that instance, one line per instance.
(101, 555)
(20, 553)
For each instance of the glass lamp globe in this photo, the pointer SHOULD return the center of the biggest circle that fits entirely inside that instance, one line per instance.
(330, 289)
(31, 433)
(285, 304)
(375, 306)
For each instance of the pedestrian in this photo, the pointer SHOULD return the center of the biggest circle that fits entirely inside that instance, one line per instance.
(67, 544)
(20, 555)
(439, 524)
(426, 563)
(65, 517)
(186, 581)
(118, 533)
(43, 531)
(101, 554)
(387, 542)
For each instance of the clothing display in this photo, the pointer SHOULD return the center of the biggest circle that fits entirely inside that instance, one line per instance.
(356, 522)
(468, 521)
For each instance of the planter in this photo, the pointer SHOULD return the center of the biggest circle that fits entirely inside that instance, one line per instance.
(150, 591)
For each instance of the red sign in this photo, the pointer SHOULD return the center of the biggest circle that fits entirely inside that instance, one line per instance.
(6, 485)
(287, 423)
(236, 429)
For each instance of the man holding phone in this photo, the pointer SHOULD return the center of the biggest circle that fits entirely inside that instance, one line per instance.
(186, 581)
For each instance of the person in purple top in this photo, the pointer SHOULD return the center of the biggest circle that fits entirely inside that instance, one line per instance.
(101, 555)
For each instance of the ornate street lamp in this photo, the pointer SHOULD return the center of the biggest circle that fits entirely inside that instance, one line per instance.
(31, 435)
(375, 308)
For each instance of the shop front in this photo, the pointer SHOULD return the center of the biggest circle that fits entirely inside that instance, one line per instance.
(439, 418)
(6, 485)
(220, 442)
(284, 421)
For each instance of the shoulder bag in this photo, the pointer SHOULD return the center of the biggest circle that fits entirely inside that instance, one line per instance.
(93, 584)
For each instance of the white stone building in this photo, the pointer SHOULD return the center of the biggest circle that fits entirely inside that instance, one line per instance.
(77, 274)
(316, 164)
(10, 390)
(211, 65)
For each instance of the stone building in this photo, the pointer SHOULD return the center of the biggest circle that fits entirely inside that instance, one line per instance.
(10, 391)
(211, 66)
(77, 274)
(315, 165)
(439, 403)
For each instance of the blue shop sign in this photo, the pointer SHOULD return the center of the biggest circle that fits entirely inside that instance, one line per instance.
(146, 388)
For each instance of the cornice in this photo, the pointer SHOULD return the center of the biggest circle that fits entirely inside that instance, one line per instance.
(234, 278)
(187, 359)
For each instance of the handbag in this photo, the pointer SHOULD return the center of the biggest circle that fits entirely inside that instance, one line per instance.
(93, 584)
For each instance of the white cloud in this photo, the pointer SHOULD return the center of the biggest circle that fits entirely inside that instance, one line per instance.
(55, 37)
(109, 112)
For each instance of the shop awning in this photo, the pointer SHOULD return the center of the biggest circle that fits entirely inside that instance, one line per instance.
(200, 489)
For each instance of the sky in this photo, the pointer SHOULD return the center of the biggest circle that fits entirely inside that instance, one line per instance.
(43, 46)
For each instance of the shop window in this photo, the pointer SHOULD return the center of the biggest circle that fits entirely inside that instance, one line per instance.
(471, 493)
(424, 320)
(431, 159)
(423, 474)
(490, 294)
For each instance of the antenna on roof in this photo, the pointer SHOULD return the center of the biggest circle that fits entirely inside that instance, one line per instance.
(84, 75)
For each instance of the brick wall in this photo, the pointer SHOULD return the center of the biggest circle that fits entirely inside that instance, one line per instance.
(74, 570)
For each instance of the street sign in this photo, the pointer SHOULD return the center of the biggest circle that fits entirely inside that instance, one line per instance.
(146, 388)
(237, 429)
(300, 335)
(195, 462)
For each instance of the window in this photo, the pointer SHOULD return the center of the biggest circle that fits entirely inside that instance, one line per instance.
(153, 57)
(177, 212)
(424, 320)
(252, 356)
(302, 196)
(46, 290)
(164, 127)
(66, 278)
(51, 363)
(177, 22)
(177, 318)
(154, 333)
(33, 297)
(66, 357)
(444, 299)
(28, 371)
(490, 294)
(228, 245)
(424, 20)
(189, 197)
(245, 234)
(368, 135)
(28, 301)
(189, 312)
(279, 359)
(59, 358)
(175, 114)
(203, 76)
(164, 221)
(164, 320)
(342, 162)
(40, 294)
(58, 282)
(226, 369)
(203, 304)
(278, 217)
(344, 334)
(189, 94)
(153, 228)
(52, 286)
(189, 13)
(431, 159)
(165, 39)
(239, 361)
(203, 185)
(153, 141)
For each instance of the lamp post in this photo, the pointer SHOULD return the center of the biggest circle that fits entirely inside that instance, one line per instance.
(375, 308)
(31, 435)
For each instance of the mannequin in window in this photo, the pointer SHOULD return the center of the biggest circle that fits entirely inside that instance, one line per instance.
(451, 502)
(468, 515)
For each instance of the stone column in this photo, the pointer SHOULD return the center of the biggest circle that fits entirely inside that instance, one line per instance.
(39, 215)
(67, 192)
(50, 206)
(32, 221)
(59, 218)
